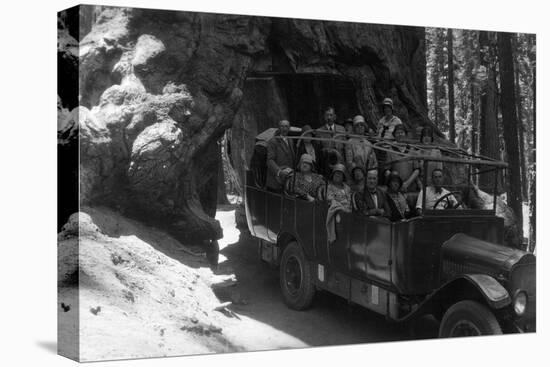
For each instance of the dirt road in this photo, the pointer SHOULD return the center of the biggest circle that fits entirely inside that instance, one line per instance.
(331, 321)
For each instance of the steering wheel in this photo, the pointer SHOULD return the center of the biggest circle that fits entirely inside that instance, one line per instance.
(459, 201)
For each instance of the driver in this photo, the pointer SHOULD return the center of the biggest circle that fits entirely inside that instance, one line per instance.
(435, 192)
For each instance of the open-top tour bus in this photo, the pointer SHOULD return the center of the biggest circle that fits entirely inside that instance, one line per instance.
(448, 263)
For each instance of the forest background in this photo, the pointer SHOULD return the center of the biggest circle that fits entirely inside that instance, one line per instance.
(481, 94)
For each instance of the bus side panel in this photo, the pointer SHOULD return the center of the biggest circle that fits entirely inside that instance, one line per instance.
(357, 246)
(320, 232)
(378, 247)
(255, 211)
(338, 250)
(415, 262)
(303, 226)
(273, 210)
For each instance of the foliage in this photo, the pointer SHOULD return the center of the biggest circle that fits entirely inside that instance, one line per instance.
(471, 76)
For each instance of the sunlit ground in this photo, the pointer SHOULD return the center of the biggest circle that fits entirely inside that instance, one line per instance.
(226, 216)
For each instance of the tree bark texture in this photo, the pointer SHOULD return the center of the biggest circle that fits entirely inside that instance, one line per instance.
(489, 142)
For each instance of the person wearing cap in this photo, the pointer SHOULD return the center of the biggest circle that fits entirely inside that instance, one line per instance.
(280, 157)
(408, 170)
(389, 121)
(306, 146)
(373, 202)
(397, 201)
(359, 151)
(306, 181)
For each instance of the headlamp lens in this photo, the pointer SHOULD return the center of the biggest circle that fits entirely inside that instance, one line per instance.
(520, 303)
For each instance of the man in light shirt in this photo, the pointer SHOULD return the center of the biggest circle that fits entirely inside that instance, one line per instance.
(434, 193)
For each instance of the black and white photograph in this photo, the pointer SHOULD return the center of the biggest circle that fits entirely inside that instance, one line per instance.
(237, 183)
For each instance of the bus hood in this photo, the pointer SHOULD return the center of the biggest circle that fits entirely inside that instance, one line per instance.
(462, 254)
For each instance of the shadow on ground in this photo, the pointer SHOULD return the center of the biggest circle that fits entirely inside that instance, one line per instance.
(330, 321)
(49, 346)
(116, 225)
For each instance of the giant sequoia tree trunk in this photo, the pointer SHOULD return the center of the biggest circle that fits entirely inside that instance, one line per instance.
(488, 142)
(510, 124)
(451, 85)
(521, 135)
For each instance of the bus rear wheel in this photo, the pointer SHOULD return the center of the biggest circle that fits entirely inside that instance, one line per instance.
(295, 278)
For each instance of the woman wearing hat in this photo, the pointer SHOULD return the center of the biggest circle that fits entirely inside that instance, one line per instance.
(359, 151)
(357, 183)
(398, 202)
(339, 198)
(389, 121)
(338, 192)
(306, 181)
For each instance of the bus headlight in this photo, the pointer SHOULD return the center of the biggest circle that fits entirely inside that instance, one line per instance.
(520, 303)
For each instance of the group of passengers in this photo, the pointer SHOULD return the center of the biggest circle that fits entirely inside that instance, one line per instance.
(350, 164)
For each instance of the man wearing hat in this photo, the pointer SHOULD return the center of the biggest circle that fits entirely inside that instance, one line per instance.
(280, 157)
(389, 121)
(359, 151)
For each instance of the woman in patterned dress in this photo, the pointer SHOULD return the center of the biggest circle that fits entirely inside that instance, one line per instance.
(306, 181)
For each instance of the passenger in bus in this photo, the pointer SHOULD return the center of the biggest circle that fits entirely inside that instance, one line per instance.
(358, 182)
(427, 138)
(306, 181)
(408, 170)
(338, 192)
(359, 151)
(330, 149)
(339, 198)
(307, 146)
(280, 157)
(397, 201)
(373, 202)
(348, 125)
(388, 122)
(434, 193)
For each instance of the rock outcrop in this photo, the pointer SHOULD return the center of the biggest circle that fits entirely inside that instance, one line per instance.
(126, 290)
